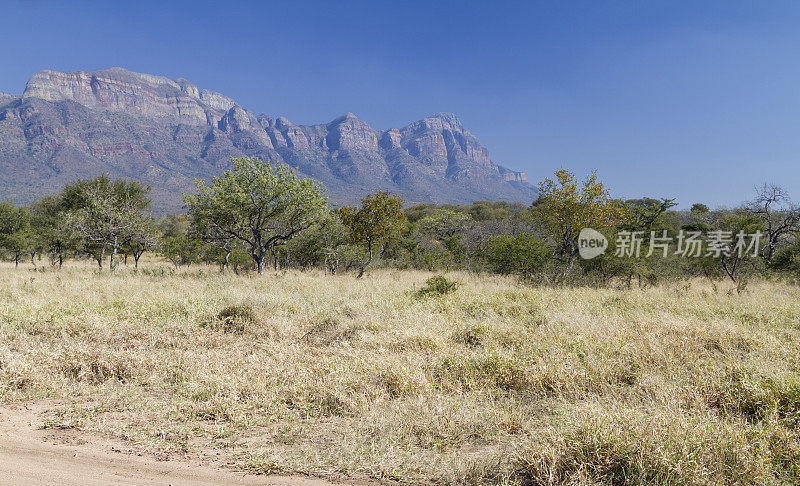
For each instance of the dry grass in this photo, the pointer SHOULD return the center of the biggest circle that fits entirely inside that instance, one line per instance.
(496, 382)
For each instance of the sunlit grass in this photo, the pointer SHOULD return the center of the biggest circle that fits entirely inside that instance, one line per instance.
(495, 382)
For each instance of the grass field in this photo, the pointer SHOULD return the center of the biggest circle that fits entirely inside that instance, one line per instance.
(497, 382)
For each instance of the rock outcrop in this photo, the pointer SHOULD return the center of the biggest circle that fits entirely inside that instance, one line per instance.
(117, 89)
(6, 98)
(166, 133)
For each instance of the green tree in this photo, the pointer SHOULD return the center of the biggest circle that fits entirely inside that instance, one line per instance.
(447, 227)
(788, 258)
(107, 213)
(146, 238)
(221, 244)
(644, 214)
(520, 254)
(321, 244)
(15, 230)
(379, 219)
(261, 205)
(176, 242)
(566, 206)
(445, 223)
(488, 210)
(54, 236)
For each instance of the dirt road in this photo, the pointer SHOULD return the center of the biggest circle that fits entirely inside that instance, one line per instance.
(32, 456)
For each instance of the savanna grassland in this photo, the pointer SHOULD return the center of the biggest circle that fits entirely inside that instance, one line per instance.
(495, 382)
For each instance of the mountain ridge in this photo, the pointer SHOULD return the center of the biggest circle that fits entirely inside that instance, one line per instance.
(167, 132)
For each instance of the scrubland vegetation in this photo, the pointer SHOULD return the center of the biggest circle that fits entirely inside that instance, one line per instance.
(474, 346)
(489, 381)
(259, 215)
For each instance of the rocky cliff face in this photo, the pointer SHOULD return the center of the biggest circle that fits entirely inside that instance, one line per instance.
(119, 90)
(6, 98)
(166, 133)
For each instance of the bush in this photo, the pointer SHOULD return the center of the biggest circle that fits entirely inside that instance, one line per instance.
(756, 398)
(787, 258)
(234, 318)
(438, 285)
(521, 254)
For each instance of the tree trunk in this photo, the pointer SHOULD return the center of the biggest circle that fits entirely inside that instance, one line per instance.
(60, 261)
(113, 255)
(260, 258)
(16, 261)
(364, 266)
(101, 257)
(260, 262)
(225, 263)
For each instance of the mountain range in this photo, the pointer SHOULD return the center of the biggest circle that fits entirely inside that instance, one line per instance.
(166, 133)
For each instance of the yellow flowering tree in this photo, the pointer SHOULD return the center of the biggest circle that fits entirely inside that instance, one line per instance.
(566, 205)
(379, 219)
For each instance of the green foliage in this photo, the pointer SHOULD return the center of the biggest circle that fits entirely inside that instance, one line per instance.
(379, 219)
(645, 214)
(489, 210)
(437, 286)
(177, 244)
(520, 254)
(419, 211)
(320, 245)
(260, 212)
(787, 258)
(53, 235)
(16, 235)
(444, 223)
(107, 213)
(565, 207)
(696, 226)
(259, 204)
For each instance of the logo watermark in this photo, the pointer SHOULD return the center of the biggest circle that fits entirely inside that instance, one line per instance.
(692, 244)
(591, 243)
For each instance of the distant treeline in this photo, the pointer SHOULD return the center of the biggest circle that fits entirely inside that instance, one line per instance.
(261, 215)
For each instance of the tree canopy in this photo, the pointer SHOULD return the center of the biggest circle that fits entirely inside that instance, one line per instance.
(565, 206)
(107, 213)
(259, 204)
(379, 219)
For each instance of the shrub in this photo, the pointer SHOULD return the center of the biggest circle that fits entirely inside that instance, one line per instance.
(758, 398)
(471, 336)
(521, 254)
(95, 367)
(437, 286)
(490, 371)
(234, 318)
(787, 258)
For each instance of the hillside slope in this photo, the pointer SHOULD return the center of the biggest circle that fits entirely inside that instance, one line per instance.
(167, 133)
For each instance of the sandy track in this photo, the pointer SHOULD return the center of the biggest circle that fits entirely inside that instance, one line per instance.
(32, 456)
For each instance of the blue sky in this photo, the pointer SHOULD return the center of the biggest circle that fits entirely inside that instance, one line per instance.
(694, 100)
